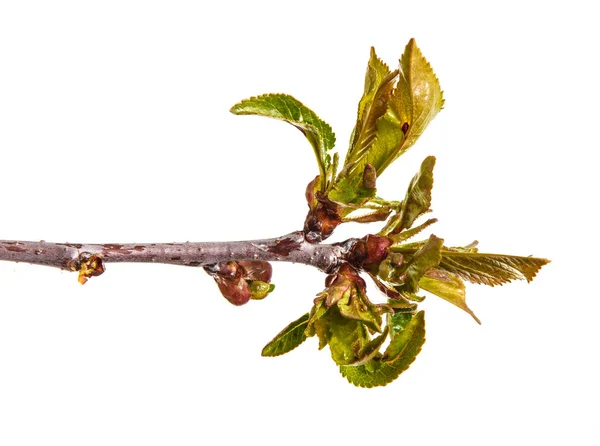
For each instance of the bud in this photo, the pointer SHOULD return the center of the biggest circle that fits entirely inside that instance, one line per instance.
(241, 281)
(259, 290)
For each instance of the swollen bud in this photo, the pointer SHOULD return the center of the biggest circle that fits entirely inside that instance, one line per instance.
(241, 281)
(88, 265)
(370, 250)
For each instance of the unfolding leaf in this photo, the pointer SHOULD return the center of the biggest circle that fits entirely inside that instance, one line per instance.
(395, 299)
(410, 233)
(490, 269)
(346, 290)
(349, 195)
(417, 99)
(413, 331)
(398, 322)
(418, 196)
(357, 306)
(371, 350)
(422, 261)
(316, 325)
(449, 287)
(289, 109)
(471, 247)
(400, 354)
(379, 83)
(417, 200)
(259, 289)
(389, 138)
(367, 216)
(401, 305)
(347, 338)
(288, 339)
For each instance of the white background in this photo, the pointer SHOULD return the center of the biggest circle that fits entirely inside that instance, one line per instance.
(114, 127)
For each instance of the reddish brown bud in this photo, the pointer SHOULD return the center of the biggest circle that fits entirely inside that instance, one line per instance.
(377, 248)
(320, 223)
(310, 192)
(372, 249)
(234, 279)
(235, 291)
(257, 270)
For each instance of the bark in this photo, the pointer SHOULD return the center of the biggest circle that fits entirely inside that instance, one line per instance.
(71, 256)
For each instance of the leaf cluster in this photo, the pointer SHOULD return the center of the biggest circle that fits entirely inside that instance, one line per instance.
(395, 108)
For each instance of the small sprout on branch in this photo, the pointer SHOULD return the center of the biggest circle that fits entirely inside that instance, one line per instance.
(88, 265)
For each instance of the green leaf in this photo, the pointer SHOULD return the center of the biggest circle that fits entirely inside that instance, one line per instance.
(417, 200)
(379, 83)
(409, 233)
(371, 350)
(368, 216)
(317, 322)
(401, 352)
(448, 287)
(356, 305)
(415, 328)
(349, 194)
(490, 269)
(398, 322)
(416, 101)
(288, 339)
(422, 261)
(289, 109)
(418, 195)
(259, 289)
(389, 138)
(347, 338)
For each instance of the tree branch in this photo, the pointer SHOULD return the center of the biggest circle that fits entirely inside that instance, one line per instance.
(74, 256)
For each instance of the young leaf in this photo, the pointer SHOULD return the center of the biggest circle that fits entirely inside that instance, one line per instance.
(401, 352)
(369, 216)
(397, 322)
(349, 195)
(371, 349)
(490, 269)
(415, 328)
(390, 137)
(379, 83)
(448, 287)
(416, 101)
(424, 259)
(347, 338)
(289, 109)
(417, 200)
(259, 289)
(410, 233)
(418, 195)
(289, 338)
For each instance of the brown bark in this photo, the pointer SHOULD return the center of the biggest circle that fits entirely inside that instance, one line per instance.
(90, 257)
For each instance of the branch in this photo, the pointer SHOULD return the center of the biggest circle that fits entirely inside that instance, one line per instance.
(89, 258)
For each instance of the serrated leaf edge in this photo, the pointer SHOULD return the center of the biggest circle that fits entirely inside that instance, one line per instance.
(301, 322)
